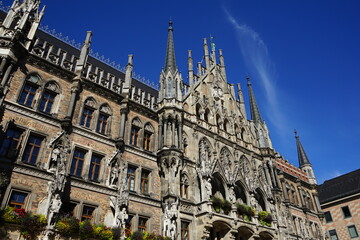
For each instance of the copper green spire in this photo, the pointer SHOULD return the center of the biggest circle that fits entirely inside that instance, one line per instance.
(170, 63)
(255, 113)
(303, 159)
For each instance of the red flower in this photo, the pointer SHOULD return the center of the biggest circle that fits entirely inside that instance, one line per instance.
(20, 212)
(127, 232)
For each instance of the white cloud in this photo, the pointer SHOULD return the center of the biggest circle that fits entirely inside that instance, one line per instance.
(257, 60)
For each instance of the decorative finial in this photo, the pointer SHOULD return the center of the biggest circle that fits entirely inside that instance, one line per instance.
(170, 24)
(248, 80)
(213, 46)
(296, 134)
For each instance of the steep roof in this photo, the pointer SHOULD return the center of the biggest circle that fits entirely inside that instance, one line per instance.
(339, 187)
(303, 159)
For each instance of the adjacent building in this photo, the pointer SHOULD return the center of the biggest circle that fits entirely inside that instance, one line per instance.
(340, 201)
(81, 137)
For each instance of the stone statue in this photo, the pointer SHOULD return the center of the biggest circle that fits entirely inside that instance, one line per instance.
(167, 220)
(54, 159)
(208, 189)
(53, 209)
(60, 176)
(114, 174)
(172, 230)
(253, 202)
(232, 197)
(121, 218)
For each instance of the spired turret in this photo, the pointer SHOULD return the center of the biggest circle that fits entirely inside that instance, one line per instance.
(304, 163)
(170, 78)
(170, 155)
(262, 132)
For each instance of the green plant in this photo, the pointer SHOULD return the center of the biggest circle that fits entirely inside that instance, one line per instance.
(9, 215)
(116, 231)
(265, 218)
(226, 206)
(216, 202)
(67, 226)
(31, 225)
(246, 211)
(86, 230)
(102, 232)
(137, 235)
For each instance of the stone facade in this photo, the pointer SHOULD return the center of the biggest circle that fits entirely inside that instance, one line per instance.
(83, 138)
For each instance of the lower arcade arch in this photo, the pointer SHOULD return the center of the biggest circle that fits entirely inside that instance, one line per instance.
(219, 230)
(244, 233)
(265, 236)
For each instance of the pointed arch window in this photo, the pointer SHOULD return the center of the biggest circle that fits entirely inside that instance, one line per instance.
(103, 123)
(226, 125)
(136, 126)
(148, 137)
(88, 112)
(31, 85)
(207, 115)
(169, 87)
(48, 97)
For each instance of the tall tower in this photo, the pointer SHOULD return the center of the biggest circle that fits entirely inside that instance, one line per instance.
(260, 126)
(304, 162)
(170, 154)
(17, 32)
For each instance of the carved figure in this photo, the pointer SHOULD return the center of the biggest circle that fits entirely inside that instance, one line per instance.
(232, 197)
(172, 230)
(114, 174)
(208, 189)
(253, 202)
(121, 218)
(54, 159)
(53, 209)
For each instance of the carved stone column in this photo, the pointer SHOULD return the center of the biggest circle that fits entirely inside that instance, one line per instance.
(6, 75)
(160, 134)
(180, 136)
(173, 133)
(74, 91)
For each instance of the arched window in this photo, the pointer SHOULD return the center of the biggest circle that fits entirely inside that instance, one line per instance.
(260, 199)
(88, 112)
(240, 193)
(207, 115)
(219, 122)
(294, 195)
(48, 99)
(226, 125)
(243, 134)
(217, 187)
(30, 88)
(184, 186)
(134, 134)
(237, 131)
(103, 123)
(148, 137)
(199, 111)
(169, 87)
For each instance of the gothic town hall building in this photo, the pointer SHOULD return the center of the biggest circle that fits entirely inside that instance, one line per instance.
(80, 136)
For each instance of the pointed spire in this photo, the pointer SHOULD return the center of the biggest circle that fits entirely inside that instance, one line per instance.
(303, 159)
(255, 113)
(170, 63)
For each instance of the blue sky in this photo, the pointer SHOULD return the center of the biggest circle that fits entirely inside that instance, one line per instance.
(303, 58)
